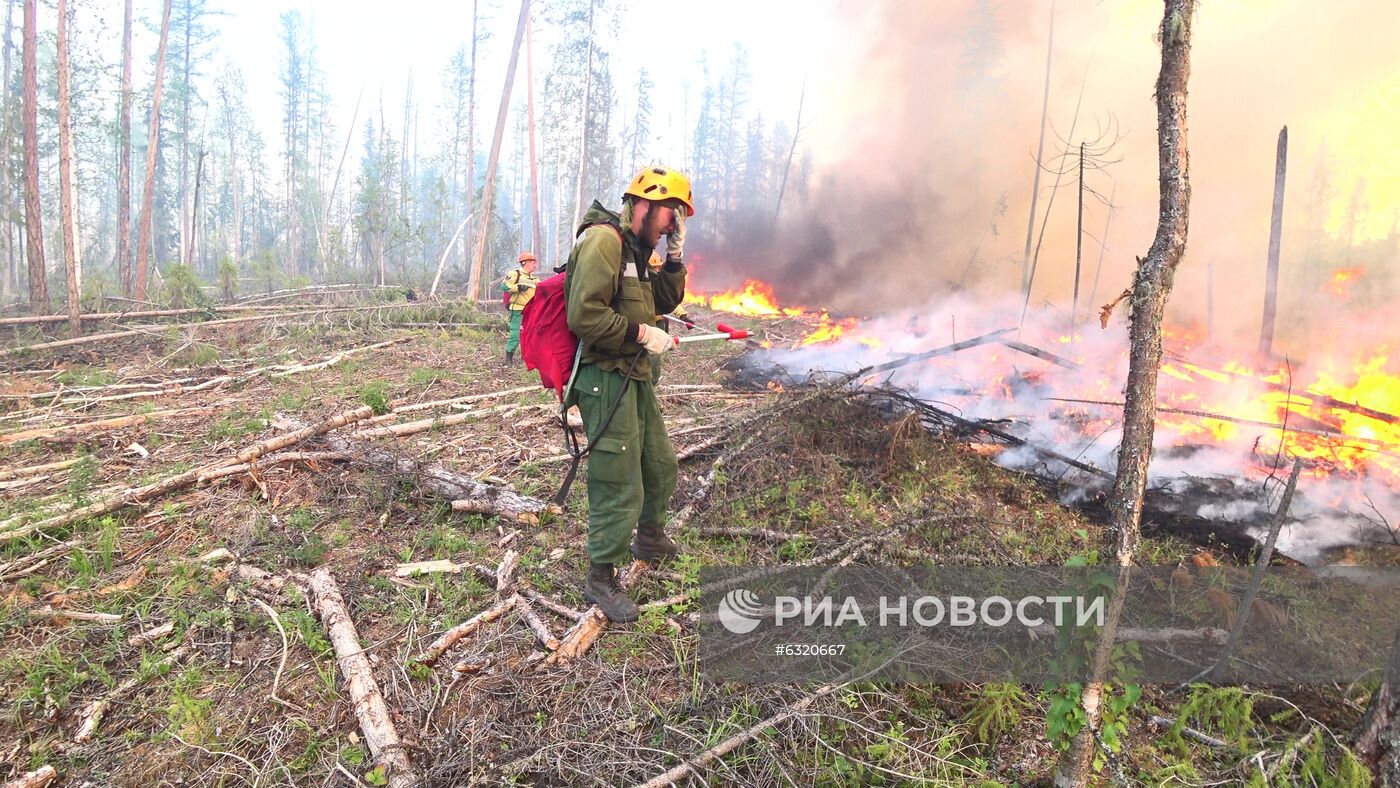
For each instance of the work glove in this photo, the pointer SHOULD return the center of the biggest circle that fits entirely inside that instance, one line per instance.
(675, 242)
(654, 339)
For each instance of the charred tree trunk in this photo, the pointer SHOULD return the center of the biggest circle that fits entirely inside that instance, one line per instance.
(124, 161)
(1378, 740)
(1151, 287)
(488, 193)
(1266, 330)
(143, 236)
(33, 215)
(536, 242)
(66, 204)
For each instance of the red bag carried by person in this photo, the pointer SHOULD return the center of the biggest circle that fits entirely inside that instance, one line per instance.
(546, 343)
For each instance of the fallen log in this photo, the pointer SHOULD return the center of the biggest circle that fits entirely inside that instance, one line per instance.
(99, 425)
(450, 638)
(336, 359)
(443, 483)
(581, 636)
(39, 778)
(1209, 636)
(113, 317)
(1043, 355)
(423, 425)
(274, 459)
(92, 713)
(182, 480)
(32, 470)
(302, 316)
(542, 633)
(370, 709)
(928, 354)
(427, 567)
(695, 764)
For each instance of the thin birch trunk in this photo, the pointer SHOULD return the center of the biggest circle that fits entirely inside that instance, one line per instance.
(143, 236)
(1151, 288)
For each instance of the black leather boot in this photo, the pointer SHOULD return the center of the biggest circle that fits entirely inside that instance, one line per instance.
(603, 589)
(650, 543)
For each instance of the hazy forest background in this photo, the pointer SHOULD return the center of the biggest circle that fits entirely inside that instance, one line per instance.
(238, 206)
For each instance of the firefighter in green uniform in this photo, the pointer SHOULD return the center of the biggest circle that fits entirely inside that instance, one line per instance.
(614, 301)
(521, 284)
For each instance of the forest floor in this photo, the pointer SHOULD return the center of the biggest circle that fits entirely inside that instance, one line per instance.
(208, 673)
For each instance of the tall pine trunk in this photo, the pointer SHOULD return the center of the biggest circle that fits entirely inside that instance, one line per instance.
(8, 276)
(1266, 328)
(143, 237)
(488, 193)
(186, 216)
(1039, 152)
(33, 216)
(583, 124)
(66, 198)
(536, 244)
(1151, 287)
(124, 161)
(471, 131)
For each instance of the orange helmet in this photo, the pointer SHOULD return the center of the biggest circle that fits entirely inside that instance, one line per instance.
(526, 257)
(659, 183)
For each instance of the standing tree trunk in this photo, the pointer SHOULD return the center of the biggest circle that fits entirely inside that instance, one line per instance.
(66, 203)
(33, 216)
(488, 193)
(1266, 330)
(194, 212)
(796, 131)
(1039, 152)
(7, 277)
(124, 162)
(471, 131)
(186, 216)
(536, 244)
(1151, 287)
(583, 124)
(1078, 247)
(143, 236)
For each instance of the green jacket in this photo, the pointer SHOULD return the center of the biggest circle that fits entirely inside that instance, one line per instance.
(606, 305)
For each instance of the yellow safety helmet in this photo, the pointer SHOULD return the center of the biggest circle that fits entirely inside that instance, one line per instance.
(659, 183)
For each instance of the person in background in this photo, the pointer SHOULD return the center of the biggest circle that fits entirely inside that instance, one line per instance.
(520, 284)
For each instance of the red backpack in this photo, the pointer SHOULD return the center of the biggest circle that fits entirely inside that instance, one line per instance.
(546, 343)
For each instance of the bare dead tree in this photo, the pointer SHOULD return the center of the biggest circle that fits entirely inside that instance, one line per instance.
(1039, 150)
(1151, 288)
(1266, 328)
(143, 235)
(796, 132)
(536, 242)
(488, 193)
(8, 277)
(33, 216)
(66, 198)
(583, 123)
(124, 161)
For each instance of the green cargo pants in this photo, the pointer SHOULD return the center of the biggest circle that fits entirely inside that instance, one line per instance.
(513, 344)
(631, 467)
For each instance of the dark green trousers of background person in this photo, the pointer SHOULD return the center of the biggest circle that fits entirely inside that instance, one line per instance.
(631, 467)
(514, 342)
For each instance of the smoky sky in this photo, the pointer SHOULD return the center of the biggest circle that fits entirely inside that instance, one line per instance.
(923, 127)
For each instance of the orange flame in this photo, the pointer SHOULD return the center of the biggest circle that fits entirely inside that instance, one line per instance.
(1342, 280)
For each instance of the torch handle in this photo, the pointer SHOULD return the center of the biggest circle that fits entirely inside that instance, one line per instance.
(737, 334)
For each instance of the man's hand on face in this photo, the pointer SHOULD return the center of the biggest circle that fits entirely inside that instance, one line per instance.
(675, 240)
